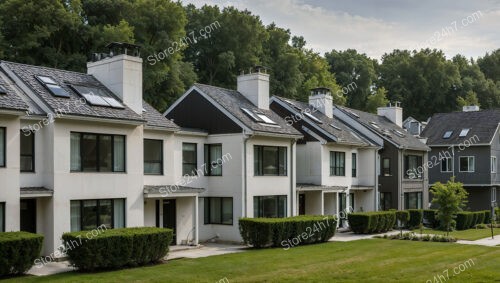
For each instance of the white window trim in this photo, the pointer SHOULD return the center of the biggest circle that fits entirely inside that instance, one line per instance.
(473, 162)
(493, 163)
(450, 159)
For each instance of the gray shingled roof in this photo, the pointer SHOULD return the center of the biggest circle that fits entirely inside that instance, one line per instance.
(386, 129)
(10, 100)
(344, 134)
(482, 124)
(72, 105)
(233, 101)
(156, 119)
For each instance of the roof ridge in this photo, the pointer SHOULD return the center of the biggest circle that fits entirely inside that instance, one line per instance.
(50, 68)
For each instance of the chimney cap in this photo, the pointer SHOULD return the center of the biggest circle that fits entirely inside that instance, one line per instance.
(320, 90)
(261, 69)
(123, 48)
(394, 104)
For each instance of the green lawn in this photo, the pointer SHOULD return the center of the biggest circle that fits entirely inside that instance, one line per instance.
(471, 234)
(374, 260)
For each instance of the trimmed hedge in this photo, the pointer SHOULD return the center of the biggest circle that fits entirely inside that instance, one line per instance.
(430, 218)
(18, 251)
(372, 222)
(403, 216)
(116, 248)
(487, 216)
(287, 232)
(467, 219)
(416, 216)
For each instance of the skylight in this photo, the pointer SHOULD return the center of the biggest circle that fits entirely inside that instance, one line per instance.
(52, 86)
(447, 135)
(3, 90)
(354, 114)
(266, 119)
(97, 96)
(399, 133)
(335, 127)
(258, 117)
(375, 125)
(464, 133)
(310, 116)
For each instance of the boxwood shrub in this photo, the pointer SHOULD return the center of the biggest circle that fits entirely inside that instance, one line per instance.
(403, 216)
(416, 216)
(287, 232)
(487, 216)
(372, 222)
(430, 218)
(116, 248)
(18, 251)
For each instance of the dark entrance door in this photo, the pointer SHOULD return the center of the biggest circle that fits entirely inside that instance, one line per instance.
(28, 215)
(169, 217)
(302, 204)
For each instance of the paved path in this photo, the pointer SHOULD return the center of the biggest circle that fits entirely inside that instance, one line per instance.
(483, 242)
(350, 236)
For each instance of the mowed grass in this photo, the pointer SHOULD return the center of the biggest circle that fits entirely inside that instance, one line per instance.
(374, 260)
(470, 234)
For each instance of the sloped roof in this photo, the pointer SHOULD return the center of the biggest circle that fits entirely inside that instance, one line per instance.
(343, 132)
(233, 101)
(156, 119)
(386, 129)
(482, 124)
(11, 100)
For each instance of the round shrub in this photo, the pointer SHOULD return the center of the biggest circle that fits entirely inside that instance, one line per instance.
(18, 251)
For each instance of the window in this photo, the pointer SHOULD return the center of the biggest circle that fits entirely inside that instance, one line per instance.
(463, 133)
(189, 159)
(446, 164)
(219, 210)
(2, 146)
(258, 116)
(97, 96)
(269, 206)
(386, 166)
(27, 151)
(493, 164)
(354, 164)
(52, 86)
(153, 157)
(413, 167)
(2, 216)
(447, 134)
(375, 125)
(213, 160)
(385, 201)
(413, 200)
(337, 163)
(270, 161)
(310, 116)
(97, 153)
(90, 214)
(467, 164)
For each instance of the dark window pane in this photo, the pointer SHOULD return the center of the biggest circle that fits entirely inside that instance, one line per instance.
(354, 164)
(119, 154)
(2, 147)
(27, 151)
(227, 211)
(282, 161)
(105, 213)
(89, 152)
(270, 206)
(89, 215)
(257, 157)
(153, 157)
(189, 159)
(105, 154)
(270, 161)
(213, 160)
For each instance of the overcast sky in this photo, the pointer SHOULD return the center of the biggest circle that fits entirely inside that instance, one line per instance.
(378, 26)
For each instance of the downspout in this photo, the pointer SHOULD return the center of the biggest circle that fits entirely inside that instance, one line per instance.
(377, 164)
(245, 179)
(400, 179)
(292, 190)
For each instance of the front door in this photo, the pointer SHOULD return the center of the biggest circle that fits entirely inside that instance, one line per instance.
(28, 215)
(169, 217)
(302, 204)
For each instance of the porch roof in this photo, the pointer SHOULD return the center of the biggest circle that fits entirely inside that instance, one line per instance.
(170, 190)
(361, 188)
(33, 192)
(312, 187)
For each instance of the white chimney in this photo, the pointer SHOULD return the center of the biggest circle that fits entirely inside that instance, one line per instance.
(393, 113)
(470, 108)
(121, 73)
(255, 87)
(322, 100)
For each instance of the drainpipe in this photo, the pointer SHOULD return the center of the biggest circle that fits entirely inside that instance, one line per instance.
(245, 179)
(376, 197)
(292, 190)
(401, 178)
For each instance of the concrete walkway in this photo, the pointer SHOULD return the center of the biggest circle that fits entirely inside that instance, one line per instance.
(489, 242)
(350, 236)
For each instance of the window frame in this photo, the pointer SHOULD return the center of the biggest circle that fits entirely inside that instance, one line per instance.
(468, 164)
(258, 201)
(383, 172)
(4, 149)
(419, 199)
(334, 167)
(493, 165)
(354, 165)
(207, 209)
(98, 216)
(406, 166)
(207, 149)
(161, 161)
(32, 135)
(258, 152)
(2, 209)
(98, 165)
(195, 171)
(449, 163)
(387, 197)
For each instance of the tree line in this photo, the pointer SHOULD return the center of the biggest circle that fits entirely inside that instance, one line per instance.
(64, 34)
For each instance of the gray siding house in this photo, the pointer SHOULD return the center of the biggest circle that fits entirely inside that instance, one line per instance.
(466, 145)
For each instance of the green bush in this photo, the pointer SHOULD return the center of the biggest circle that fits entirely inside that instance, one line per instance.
(487, 216)
(116, 248)
(481, 217)
(411, 236)
(18, 251)
(372, 222)
(287, 232)
(463, 220)
(416, 216)
(475, 218)
(402, 216)
(430, 218)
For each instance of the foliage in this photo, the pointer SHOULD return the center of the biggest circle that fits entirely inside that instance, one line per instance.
(411, 236)
(376, 100)
(282, 232)
(430, 218)
(18, 251)
(451, 198)
(416, 217)
(117, 248)
(372, 222)
(402, 218)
